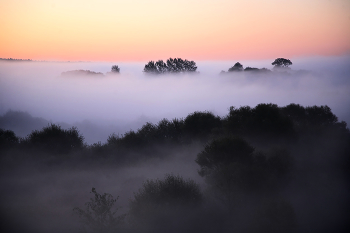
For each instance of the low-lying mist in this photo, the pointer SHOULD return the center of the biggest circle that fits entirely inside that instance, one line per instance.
(118, 103)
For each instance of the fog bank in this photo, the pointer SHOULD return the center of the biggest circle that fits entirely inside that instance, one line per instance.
(117, 103)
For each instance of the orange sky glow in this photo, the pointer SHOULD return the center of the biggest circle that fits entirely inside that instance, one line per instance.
(142, 30)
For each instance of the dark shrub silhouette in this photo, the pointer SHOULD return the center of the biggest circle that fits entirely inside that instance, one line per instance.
(176, 65)
(99, 215)
(55, 140)
(161, 204)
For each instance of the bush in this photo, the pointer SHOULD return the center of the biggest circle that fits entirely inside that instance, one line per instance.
(99, 215)
(163, 199)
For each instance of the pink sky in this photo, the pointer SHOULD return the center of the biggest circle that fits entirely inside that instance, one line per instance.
(136, 30)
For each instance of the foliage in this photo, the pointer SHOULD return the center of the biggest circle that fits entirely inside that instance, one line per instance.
(231, 168)
(265, 121)
(160, 205)
(8, 139)
(201, 124)
(99, 215)
(237, 67)
(282, 63)
(176, 65)
(251, 69)
(157, 195)
(172, 190)
(115, 69)
(54, 139)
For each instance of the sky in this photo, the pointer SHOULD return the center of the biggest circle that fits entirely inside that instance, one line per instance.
(143, 30)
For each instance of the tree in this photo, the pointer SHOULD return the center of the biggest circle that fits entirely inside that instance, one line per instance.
(151, 68)
(201, 124)
(8, 139)
(282, 63)
(265, 120)
(54, 139)
(176, 65)
(237, 67)
(99, 215)
(115, 69)
(225, 163)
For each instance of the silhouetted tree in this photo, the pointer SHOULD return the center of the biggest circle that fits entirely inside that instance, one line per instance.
(176, 65)
(115, 69)
(225, 163)
(8, 139)
(151, 68)
(99, 215)
(237, 67)
(201, 124)
(282, 63)
(265, 121)
(54, 139)
(230, 166)
(161, 67)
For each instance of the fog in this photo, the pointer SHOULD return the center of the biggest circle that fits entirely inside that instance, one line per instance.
(100, 106)
(39, 189)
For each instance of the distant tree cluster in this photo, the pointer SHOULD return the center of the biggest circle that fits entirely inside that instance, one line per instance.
(280, 64)
(176, 66)
(81, 73)
(14, 59)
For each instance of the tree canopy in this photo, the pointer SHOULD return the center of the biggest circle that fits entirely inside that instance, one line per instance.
(115, 69)
(176, 65)
(282, 63)
(237, 67)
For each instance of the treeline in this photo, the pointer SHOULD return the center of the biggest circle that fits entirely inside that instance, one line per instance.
(265, 124)
(253, 161)
(180, 66)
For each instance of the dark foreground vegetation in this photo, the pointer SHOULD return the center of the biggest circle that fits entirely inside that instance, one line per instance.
(266, 169)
